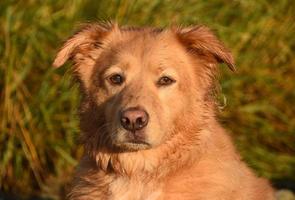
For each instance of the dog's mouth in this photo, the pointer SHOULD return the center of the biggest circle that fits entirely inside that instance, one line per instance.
(133, 145)
(137, 142)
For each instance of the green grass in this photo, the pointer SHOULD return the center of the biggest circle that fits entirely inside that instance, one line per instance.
(38, 105)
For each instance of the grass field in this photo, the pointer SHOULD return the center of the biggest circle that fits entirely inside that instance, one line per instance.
(38, 104)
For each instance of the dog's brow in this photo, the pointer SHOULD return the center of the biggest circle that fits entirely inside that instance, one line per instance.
(160, 68)
(168, 71)
(112, 69)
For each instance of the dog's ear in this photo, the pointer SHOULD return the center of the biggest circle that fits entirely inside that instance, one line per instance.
(81, 46)
(201, 40)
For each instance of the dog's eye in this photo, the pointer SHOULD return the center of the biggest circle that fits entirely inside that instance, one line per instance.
(116, 79)
(165, 80)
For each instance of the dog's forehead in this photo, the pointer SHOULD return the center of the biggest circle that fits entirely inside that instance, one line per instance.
(151, 51)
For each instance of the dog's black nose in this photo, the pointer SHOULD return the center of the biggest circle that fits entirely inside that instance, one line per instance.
(134, 118)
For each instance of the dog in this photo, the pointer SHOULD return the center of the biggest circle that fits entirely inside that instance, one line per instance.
(148, 116)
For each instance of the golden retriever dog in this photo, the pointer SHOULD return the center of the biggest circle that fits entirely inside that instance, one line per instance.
(148, 117)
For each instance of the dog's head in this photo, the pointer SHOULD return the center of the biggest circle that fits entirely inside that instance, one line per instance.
(141, 85)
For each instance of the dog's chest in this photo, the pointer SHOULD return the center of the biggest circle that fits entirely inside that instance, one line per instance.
(131, 189)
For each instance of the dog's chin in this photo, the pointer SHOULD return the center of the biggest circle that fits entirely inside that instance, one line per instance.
(132, 145)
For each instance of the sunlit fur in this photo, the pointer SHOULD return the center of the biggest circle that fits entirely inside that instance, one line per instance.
(187, 154)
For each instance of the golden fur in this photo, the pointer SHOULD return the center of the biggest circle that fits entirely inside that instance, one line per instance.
(187, 154)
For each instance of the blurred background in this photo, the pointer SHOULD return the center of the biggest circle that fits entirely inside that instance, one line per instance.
(38, 104)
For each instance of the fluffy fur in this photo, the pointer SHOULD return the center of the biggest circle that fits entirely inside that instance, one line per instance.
(187, 154)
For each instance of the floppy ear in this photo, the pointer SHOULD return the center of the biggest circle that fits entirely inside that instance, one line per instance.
(81, 45)
(201, 40)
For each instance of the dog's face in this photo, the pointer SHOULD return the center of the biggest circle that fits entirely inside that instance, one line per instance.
(144, 83)
(140, 83)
